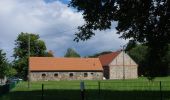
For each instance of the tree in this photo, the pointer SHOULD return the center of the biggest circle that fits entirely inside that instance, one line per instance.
(10, 71)
(21, 51)
(130, 45)
(71, 53)
(49, 54)
(139, 55)
(144, 21)
(167, 58)
(3, 64)
(6, 70)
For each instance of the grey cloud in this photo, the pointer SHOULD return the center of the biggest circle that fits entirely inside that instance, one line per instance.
(56, 25)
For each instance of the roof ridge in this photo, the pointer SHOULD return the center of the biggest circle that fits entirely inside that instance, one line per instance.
(64, 57)
(107, 58)
(111, 53)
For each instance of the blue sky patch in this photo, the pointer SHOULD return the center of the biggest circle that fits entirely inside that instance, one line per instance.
(63, 1)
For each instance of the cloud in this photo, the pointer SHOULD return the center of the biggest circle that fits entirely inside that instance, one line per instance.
(56, 24)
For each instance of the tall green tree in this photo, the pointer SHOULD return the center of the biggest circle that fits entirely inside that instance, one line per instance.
(139, 55)
(21, 51)
(144, 21)
(3, 64)
(11, 71)
(71, 53)
(130, 45)
(167, 59)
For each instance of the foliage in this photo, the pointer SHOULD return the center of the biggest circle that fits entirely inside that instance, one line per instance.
(21, 51)
(11, 71)
(131, 44)
(98, 54)
(144, 21)
(3, 64)
(167, 58)
(139, 55)
(49, 54)
(71, 53)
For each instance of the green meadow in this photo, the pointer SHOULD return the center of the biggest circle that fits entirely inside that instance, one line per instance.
(136, 89)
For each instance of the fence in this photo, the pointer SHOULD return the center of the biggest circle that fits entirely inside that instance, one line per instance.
(7, 87)
(110, 91)
(134, 90)
(93, 90)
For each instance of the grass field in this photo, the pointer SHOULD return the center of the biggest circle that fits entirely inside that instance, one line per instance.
(138, 89)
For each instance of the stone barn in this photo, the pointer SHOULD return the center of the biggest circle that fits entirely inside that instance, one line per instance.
(50, 68)
(118, 65)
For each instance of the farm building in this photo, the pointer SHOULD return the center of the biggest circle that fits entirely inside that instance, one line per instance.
(50, 68)
(118, 65)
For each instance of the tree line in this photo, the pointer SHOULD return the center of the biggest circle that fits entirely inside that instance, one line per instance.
(141, 54)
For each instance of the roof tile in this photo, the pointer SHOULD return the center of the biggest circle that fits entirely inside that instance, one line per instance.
(64, 64)
(107, 58)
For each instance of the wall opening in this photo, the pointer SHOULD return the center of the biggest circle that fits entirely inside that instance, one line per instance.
(56, 75)
(43, 75)
(85, 74)
(71, 74)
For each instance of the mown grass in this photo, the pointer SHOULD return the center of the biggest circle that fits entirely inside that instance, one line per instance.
(137, 89)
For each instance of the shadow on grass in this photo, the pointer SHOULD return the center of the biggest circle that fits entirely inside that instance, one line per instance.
(89, 95)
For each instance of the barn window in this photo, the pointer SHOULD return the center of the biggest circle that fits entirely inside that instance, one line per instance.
(56, 75)
(85, 74)
(71, 74)
(43, 75)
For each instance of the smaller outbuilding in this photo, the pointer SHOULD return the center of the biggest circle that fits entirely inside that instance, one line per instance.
(119, 65)
(51, 68)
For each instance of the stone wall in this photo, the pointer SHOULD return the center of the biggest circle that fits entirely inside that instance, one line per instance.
(45, 76)
(117, 72)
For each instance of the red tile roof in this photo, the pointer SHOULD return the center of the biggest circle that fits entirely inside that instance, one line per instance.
(64, 64)
(107, 58)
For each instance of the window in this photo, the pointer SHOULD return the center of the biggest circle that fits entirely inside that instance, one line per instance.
(71, 74)
(92, 73)
(56, 75)
(85, 74)
(43, 75)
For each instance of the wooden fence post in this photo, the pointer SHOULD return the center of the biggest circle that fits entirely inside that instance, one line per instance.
(42, 95)
(82, 90)
(99, 87)
(160, 85)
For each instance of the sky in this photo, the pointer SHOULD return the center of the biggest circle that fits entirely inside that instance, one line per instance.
(56, 23)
